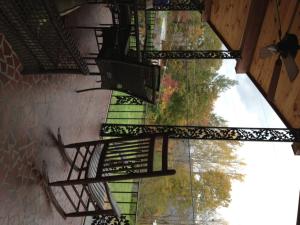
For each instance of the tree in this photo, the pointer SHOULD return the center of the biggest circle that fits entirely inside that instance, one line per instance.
(193, 96)
(216, 120)
(214, 191)
(218, 155)
(170, 195)
(188, 94)
(211, 217)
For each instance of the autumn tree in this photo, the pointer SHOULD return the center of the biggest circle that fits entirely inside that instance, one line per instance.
(218, 155)
(189, 89)
(169, 195)
(214, 191)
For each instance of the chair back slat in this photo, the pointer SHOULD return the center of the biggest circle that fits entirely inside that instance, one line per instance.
(138, 159)
(151, 156)
(129, 154)
(124, 170)
(117, 163)
(128, 145)
(130, 158)
(165, 153)
(129, 150)
(126, 156)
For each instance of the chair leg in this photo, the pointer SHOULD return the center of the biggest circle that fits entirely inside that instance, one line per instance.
(50, 192)
(62, 150)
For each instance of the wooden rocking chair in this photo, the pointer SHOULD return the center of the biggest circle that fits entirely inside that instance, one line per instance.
(97, 162)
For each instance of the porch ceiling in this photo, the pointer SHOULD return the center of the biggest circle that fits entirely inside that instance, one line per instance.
(235, 21)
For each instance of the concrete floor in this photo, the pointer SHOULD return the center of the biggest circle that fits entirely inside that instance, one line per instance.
(32, 108)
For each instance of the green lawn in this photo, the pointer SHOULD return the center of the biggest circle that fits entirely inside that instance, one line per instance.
(126, 201)
(125, 114)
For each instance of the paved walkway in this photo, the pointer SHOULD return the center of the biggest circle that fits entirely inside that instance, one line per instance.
(32, 108)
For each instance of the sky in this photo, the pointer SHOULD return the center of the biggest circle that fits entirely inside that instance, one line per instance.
(270, 191)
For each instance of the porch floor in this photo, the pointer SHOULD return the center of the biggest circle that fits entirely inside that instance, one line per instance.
(32, 108)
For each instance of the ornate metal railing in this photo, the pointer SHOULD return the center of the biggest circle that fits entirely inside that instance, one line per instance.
(109, 220)
(192, 54)
(180, 5)
(206, 133)
(127, 100)
(172, 5)
(38, 36)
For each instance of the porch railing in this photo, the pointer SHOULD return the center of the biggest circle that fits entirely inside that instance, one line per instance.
(37, 34)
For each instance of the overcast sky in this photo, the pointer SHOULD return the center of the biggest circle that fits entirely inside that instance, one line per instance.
(270, 191)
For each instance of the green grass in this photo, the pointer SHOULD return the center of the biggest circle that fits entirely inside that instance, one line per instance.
(125, 114)
(131, 114)
(126, 208)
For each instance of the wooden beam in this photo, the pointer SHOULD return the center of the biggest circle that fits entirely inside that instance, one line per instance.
(296, 150)
(254, 22)
(207, 10)
(220, 36)
(274, 80)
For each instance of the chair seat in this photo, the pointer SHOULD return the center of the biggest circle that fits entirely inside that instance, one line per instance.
(100, 192)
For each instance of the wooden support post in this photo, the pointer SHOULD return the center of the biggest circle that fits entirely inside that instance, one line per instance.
(296, 148)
